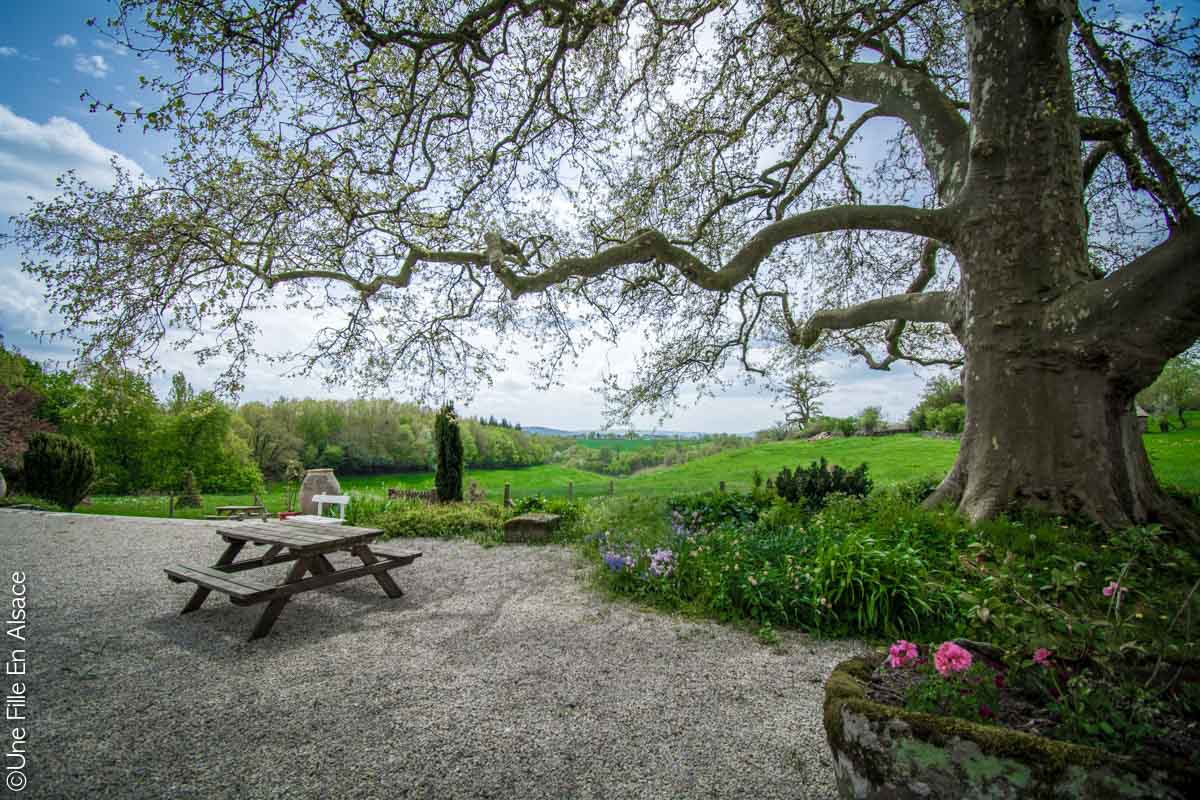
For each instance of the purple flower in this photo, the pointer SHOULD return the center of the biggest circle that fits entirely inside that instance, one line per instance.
(1112, 588)
(1041, 655)
(662, 562)
(617, 562)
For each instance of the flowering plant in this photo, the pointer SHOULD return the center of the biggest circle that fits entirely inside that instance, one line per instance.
(956, 685)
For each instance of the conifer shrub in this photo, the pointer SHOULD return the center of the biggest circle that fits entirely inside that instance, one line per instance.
(812, 485)
(449, 477)
(59, 469)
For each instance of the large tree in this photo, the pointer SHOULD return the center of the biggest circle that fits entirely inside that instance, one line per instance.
(1006, 185)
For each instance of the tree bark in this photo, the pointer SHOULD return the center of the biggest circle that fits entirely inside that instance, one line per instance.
(1049, 411)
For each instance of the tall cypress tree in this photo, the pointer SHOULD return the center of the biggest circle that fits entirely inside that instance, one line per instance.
(449, 477)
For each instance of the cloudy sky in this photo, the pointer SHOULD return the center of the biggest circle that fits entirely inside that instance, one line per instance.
(49, 56)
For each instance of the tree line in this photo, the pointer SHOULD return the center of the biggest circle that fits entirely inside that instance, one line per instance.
(142, 443)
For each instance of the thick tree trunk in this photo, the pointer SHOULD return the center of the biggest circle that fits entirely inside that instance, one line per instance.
(1048, 409)
(1047, 434)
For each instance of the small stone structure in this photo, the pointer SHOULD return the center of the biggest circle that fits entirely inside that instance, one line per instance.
(882, 751)
(317, 481)
(531, 528)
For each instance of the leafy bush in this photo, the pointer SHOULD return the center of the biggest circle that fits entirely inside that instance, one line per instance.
(869, 419)
(853, 568)
(481, 521)
(812, 485)
(59, 468)
(949, 419)
(710, 509)
(916, 490)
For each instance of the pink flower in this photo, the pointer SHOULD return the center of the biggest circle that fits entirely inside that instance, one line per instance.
(951, 658)
(1113, 588)
(902, 654)
(986, 712)
(1041, 655)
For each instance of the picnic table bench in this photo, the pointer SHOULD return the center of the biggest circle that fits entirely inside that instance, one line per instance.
(307, 545)
(239, 512)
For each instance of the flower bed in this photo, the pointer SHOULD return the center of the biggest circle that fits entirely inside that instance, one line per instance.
(882, 748)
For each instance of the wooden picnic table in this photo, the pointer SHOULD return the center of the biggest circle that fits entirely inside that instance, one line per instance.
(308, 545)
(240, 512)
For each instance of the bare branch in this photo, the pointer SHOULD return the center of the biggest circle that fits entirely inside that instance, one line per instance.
(651, 245)
(1167, 185)
(916, 307)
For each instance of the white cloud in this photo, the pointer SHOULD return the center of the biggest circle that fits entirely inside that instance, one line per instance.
(32, 155)
(66, 40)
(112, 47)
(95, 66)
(8, 51)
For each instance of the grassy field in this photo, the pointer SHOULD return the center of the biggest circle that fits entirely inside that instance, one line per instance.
(1175, 457)
(619, 445)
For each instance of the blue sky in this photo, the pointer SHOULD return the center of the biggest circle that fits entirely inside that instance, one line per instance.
(49, 56)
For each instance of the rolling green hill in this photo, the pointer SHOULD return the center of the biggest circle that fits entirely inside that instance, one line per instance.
(1175, 456)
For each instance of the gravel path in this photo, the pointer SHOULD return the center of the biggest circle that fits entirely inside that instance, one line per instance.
(499, 674)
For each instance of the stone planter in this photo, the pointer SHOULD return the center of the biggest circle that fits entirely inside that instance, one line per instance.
(317, 481)
(531, 528)
(882, 751)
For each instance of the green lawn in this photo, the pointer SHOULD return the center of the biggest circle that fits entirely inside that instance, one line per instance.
(1175, 456)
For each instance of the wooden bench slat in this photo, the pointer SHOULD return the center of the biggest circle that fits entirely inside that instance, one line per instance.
(235, 585)
(394, 552)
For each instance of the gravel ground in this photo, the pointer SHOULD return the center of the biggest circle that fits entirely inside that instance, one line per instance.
(499, 674)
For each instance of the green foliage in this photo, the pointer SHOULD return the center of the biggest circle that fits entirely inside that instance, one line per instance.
(958, 694)
(59, 468)
(1176, 390)
(627, 456)
(916, 490)
(812, 485)
(711, 509)
(853, 568)
(869, 419)
(949, 419)
(449, 476)
(940, 391)
(480, 521)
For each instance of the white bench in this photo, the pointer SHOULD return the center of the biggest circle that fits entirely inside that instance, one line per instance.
(322, 500)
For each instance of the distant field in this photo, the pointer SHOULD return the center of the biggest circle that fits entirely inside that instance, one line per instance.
(1175, 457)
(620, 445)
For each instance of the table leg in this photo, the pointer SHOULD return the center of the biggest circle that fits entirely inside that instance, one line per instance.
(275, 607)
(385, 581)
(323, 567)
(201, 594)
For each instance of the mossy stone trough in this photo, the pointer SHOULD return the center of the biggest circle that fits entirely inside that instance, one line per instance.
(882, 751)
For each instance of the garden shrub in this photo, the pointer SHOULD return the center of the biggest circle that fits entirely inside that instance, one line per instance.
(446, 521)
(710, 509)
(854, 568)
(916, 490)
(813, 484)
(950, 419)
(59, 468)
